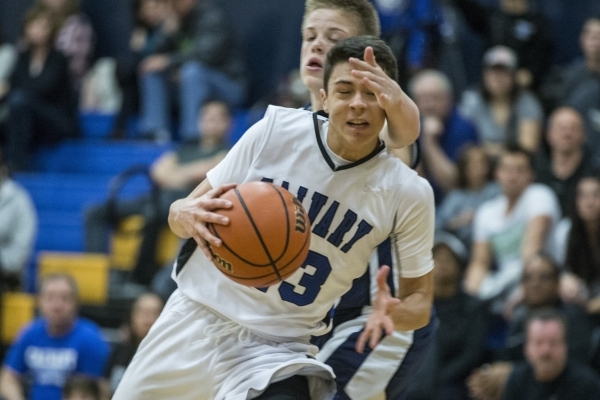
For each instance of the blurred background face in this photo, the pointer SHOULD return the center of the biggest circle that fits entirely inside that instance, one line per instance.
(590, 39)
(183, 7)
(546, 348)
(153, 12)
(214, 121)
(587, 199)
(478, 165)
(58, 303)
(565, 132)
(321, 30)
(514, 174)
(540, 284)
(499, 81)
(38, 31)
(145, 312)
(432, 99)
(447, 269)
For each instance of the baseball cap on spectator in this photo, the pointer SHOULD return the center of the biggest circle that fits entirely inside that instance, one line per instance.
(500, 56)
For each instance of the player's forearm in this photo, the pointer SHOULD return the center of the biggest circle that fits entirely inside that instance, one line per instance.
(10, 387)
(413, 312)
(403, 124)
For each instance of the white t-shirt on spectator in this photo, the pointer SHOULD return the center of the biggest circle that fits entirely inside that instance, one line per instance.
(505, 232)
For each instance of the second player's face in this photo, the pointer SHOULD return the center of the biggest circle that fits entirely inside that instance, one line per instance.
(321, 30)
(355, 116)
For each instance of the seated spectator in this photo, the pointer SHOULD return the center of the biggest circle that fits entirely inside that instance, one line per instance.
(463, 326)
(517, 25)
(8, 57)
(200, 57)
(175, 174)
(509, 228)
(540, 282)
(54, 347)
(75, 37)
(147, 33)
(584, 70)
(18, 228)
(550, 372)
(81, 388)
(567, 159)
(41, 104)
(577, 247)
(502, 112)
(475, 186)
(444, 130)
(144, 313)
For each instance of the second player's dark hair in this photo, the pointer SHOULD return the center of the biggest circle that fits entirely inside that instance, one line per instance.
(355, 47)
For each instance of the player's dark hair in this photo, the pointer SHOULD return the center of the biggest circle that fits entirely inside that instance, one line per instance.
(355, 47)
(362, 11)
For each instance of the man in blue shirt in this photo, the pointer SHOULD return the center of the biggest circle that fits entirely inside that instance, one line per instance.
(53, 347)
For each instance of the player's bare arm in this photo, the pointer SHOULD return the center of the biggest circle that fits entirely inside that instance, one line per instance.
(188, 216)
(411, 311)
(402, 114)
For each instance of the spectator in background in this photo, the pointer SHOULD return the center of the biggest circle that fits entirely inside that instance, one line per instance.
(81, 388)
(411, 28)
(42, 110)
(550, 372)
(175, 174)
(444, 131)
(567, 160)
(583, 71)
(54, 347)
(147, 33)
(200, 57)
(462, 330)
(509, 228)
(502, 112)
(18, 228)
(475, 186)
(8, 57)
(75, 37)
(540, 283)
(516, 25)
(577, 245)
(144, 313)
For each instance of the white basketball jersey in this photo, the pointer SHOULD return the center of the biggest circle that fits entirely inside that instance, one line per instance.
(352, 209)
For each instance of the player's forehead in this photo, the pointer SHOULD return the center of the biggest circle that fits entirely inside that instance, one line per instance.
(331, 20)
(341, 74)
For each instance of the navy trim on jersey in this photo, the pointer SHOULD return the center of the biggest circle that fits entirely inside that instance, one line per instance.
(184, 254)
(331, 164)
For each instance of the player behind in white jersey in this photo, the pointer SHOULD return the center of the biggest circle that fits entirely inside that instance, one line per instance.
(401, 354)
(218, 340)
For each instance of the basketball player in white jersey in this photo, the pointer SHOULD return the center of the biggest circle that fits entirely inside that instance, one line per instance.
(218, 340)
(398, 356)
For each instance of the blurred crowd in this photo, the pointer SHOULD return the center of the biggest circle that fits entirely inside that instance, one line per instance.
(513, 159)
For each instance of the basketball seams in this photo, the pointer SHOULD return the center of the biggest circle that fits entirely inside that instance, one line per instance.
(257, 231)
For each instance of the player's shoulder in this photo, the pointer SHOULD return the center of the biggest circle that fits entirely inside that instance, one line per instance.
(410, 183)
(286, 113)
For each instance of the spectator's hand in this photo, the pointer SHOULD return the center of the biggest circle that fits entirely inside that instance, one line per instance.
(193, 213)
(388, 92)
(593, 306)
(464, 218)
(573, 290)
(487, 382)
(433, 128)
(138, 40)
(155, 63)
(379, 320)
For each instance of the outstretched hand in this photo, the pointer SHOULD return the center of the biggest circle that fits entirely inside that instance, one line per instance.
(387, 90)
(194, 213)
(379, 320)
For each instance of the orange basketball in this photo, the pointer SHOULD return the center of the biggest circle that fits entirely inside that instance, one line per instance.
(267, 237)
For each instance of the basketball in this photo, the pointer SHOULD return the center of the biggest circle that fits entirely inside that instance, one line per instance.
(267, 238)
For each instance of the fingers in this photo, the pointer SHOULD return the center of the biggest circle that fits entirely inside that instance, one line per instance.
(370, 335)
(369, 56)
(382, 275)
